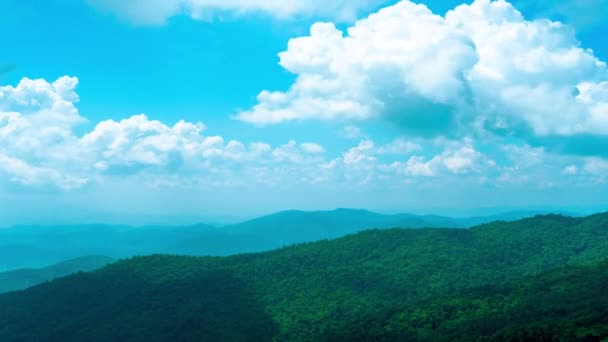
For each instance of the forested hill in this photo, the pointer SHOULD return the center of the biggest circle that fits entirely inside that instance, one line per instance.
(322, 290)
(26, 277)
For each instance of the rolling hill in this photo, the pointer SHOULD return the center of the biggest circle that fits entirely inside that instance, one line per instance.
(35, 247)
(41, 246)
(321, 290)
(24, 278)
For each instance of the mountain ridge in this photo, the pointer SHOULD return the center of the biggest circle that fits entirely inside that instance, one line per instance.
(303, 292)
(20, 279)
(40, 246)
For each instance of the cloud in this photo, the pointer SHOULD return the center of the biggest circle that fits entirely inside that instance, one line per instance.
(382, 65)
(138, 142)
(312, 148)
(40, 149)
(462, 160)
(481, 68)
(155, 12)
(31, 176)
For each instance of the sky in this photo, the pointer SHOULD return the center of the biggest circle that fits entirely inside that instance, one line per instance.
(178, 111)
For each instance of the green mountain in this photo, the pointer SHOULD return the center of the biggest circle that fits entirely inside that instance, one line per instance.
(26, 277)
(331, 289)
(26, 246)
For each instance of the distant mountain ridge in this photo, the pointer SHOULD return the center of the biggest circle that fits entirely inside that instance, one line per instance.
(23, 278)
(32, 246)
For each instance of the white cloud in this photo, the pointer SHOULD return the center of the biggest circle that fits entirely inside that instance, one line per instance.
(462, 160)
(22, 173)
(40, 149)
(155, 12)
(482, 65)
(362, 153)
(312, 148)
(138, 141)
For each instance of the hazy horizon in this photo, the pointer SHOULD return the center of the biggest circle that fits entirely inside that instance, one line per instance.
(136, 220)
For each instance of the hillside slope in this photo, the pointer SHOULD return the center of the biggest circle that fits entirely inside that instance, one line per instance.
(303, 292)
(24, 278)
(565, 304)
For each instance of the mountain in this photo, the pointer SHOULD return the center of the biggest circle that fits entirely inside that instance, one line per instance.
(293, 226)
(32, 246)
(24, 278)
(319, 291)
(41, 246)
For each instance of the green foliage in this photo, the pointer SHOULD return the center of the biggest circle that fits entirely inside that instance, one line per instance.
(377, 285)
(124, 304)
(561, 305)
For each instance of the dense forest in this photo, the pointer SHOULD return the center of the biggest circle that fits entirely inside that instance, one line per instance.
(565, 304)
(542, 277)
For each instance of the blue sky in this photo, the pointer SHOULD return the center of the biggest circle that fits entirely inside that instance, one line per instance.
(253, 107)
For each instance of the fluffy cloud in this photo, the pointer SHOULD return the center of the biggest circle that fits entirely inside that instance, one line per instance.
(482, 67)
(39, 147)
(463, 160)
(154, 12)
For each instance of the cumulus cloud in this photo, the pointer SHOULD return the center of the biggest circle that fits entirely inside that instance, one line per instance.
(155, 12)
(481, 67)
(21, 172)
(462, 160)
(39, 147)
